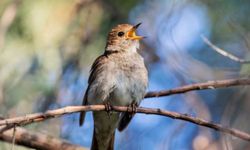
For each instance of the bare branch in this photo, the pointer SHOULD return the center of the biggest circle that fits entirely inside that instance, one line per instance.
(200, 86)
(13, 138)
(30, 118)
(223, 52)
(40, 141)
(37, 140)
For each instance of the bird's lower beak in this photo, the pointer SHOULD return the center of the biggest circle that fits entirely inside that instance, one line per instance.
(132, 35)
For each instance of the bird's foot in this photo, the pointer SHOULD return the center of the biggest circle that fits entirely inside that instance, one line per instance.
(133, 108)
(108, 108)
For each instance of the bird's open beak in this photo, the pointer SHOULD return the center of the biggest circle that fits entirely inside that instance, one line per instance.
(132, 35)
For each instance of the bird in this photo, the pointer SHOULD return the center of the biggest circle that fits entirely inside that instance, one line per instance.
(117, 78)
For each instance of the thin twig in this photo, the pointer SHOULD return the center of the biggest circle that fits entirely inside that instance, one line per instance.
(200, 86)
(6, 128)
(37, 117)
(223, 52)
(27, 119)
(13, 138)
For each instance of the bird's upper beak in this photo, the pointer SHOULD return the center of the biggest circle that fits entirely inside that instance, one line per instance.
(132, 35)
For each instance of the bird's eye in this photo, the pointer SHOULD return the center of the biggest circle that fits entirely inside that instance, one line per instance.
(120, 34)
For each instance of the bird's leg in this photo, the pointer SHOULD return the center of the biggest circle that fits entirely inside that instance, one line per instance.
(133, 107)
(108, 108)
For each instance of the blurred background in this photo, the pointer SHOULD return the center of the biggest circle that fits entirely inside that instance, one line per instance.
(47, 48)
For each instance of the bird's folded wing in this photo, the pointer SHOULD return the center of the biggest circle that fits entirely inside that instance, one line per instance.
(96, 70)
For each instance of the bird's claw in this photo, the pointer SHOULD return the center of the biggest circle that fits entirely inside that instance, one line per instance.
(108, 108)
(133, 108)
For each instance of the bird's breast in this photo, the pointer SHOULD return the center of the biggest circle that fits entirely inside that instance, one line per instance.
(131, 83)
(121, 80)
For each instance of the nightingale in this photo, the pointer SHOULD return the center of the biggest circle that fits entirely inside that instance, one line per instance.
(117, 78)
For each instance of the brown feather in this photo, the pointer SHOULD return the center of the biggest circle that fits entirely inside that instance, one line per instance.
(94, 145)
(94, 71)
(84, 102)
(95, 68)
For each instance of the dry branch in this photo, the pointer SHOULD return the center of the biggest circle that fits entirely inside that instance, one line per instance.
(37, 140)
(27, 119)
(40, 141)
(200, 86)
(223, 52)
(13, 138)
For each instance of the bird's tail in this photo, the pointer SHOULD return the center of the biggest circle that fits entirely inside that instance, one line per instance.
(82, 117)
(126, 117)
(96, 146)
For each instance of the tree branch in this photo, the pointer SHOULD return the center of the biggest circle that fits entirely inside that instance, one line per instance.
(37, 117)
(223, 52)
(37, 140)
(200, 86)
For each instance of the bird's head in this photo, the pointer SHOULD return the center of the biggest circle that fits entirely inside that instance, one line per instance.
(123, 38)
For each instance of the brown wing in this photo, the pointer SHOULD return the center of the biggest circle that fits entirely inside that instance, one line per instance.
(84, 102)
(95, 69)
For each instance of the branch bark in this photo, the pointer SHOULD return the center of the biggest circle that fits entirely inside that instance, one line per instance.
(200, 86)
(223, 52)
(37, 140)
(37, 117)
(40, 141)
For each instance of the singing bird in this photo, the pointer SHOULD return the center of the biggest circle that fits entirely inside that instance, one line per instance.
(117, 78)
